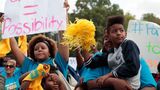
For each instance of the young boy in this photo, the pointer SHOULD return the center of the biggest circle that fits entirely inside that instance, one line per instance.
(123, 58)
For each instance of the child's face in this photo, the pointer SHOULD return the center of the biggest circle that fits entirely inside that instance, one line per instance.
(52, 82)
(107, 43)
(41, 51)
(117, 34)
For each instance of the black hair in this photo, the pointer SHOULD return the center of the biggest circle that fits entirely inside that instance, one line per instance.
(111, 20)
(83, 86)
(1, 14)
(158, 67)
(52, 70)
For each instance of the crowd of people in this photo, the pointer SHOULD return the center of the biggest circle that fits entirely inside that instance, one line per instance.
(118, 66)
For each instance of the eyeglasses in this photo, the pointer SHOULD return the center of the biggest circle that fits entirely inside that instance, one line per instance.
(10, 66)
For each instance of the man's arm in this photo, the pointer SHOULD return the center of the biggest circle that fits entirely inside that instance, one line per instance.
(79, 58)
(117, 84)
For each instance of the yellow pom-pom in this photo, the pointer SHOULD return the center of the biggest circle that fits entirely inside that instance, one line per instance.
(80, 34)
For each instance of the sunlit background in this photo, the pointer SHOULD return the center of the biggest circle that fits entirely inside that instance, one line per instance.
(135, 7)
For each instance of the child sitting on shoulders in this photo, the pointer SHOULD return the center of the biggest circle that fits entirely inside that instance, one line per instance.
(123, 58)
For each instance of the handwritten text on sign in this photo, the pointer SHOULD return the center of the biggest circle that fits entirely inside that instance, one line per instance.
(33, 16)
(147, 37)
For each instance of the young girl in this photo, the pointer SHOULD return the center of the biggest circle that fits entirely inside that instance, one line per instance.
(41, 50)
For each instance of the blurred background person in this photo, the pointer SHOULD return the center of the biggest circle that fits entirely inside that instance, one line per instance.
(11, 74)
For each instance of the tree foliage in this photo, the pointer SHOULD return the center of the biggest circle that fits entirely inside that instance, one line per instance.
(97, 11)
(128, 16)
(151, 17)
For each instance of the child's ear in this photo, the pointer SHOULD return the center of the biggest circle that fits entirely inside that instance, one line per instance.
(125, 34)
(49, 54)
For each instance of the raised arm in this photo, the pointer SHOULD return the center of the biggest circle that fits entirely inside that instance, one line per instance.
(1, 18)
(86, 54)
(63, 49)
(79, 58)
(16, 51)
(14, 47)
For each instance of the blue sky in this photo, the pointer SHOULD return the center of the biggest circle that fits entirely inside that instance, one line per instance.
(135, 7)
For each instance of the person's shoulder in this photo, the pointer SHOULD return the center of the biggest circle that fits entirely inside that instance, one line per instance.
(127, 42)
(97, 53)
(28, 58)
(2, 69)
(130, 45)
(3, 73)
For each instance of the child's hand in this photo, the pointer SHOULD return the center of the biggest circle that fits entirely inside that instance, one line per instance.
(101, 80)
(54, 77)
(66, 5)
(46, 75)
(120, 84)
(1, 19)
(45, 66)
(94, 48)
(78, 50)
(53, 81)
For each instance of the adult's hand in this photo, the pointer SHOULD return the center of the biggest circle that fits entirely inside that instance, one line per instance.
(100, 80)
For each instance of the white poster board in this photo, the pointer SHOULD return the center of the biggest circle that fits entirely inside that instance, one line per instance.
(73, 62)
(147, 37)
(23, 17)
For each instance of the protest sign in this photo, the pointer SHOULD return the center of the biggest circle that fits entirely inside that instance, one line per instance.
(73, 62)
(23, 17)
(147, 37)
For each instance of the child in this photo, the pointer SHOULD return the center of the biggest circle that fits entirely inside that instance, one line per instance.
(42, 50)
(90, 75)
(123, 59)
(50, 81)
(32, 80)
